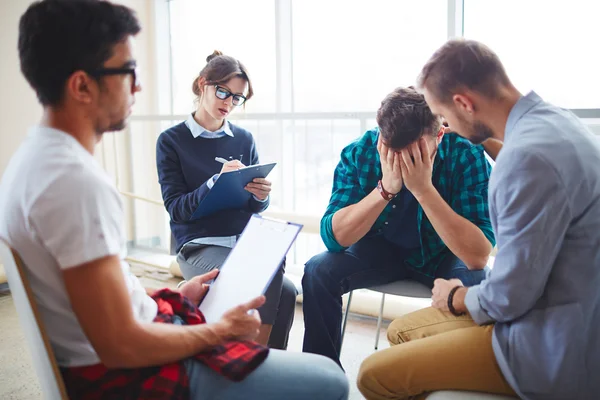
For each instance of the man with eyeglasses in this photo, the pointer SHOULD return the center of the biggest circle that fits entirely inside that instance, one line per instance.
(408, 202)
(61, 212)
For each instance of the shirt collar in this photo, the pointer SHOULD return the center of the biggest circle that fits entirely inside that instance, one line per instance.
(198, 130)
(520, 108)
(41, 132)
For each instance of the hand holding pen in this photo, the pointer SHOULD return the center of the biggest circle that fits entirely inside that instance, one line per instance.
(259, 187)
(228, 166)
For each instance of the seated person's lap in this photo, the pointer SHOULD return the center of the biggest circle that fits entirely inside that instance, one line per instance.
(375, 261)
(198, 259)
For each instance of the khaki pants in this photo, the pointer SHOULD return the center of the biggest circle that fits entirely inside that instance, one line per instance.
(433, 350)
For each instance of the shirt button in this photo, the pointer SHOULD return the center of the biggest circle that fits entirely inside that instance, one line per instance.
(386, 223)
(394, 206)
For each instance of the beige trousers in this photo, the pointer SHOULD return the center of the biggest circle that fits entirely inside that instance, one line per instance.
(433, 350)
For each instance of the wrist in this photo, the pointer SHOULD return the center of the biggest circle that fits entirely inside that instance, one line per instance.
(386, 193)
(218, 333)
(424, 193)
(458, 300)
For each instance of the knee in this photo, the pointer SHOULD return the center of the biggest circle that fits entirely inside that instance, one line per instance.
(395, 332)
(368, 380)
(288, 291)
(316, 265)
(288, 294)
(336, 383)
(320, 266)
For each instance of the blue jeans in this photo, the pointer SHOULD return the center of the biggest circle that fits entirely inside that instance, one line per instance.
(369, 262)
(283, 375)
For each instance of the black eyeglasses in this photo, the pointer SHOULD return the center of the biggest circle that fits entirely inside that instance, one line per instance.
(118, 71)
(223, 94)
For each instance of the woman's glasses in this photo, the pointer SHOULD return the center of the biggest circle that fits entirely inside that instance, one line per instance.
(223, 94)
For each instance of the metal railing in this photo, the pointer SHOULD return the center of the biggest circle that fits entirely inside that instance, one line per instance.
(304, 175)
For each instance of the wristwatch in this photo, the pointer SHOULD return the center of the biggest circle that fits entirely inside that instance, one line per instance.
(384, 193)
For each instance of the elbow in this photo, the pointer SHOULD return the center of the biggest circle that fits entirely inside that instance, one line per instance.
(476, 262)
(118, 355)
(121, 351)
(174, 213)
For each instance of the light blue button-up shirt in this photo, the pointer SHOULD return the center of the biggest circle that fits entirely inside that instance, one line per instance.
(199, 131)
(544, 291)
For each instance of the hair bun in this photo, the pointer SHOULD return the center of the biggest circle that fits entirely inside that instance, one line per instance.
(214, 54)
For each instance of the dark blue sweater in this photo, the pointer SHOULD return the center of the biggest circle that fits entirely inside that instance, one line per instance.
(185, 164)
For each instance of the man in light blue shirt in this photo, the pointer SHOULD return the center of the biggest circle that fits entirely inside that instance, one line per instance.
(538, 311)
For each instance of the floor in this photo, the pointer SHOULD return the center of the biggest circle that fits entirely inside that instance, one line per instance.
(18, 380)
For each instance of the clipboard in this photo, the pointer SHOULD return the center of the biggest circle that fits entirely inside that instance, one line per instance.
(228, 191)
(251, 265)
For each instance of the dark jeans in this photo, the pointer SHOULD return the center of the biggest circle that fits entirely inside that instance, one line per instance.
(369, 262)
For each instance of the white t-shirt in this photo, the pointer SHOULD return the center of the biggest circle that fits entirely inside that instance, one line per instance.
(59, 209)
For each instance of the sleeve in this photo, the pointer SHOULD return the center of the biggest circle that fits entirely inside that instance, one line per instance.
(533, 215)
(470, 197)
(345, 192)
(179, 201)
(79, 219)
(256, 205)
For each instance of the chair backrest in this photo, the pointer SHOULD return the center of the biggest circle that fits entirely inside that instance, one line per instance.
(44, 361)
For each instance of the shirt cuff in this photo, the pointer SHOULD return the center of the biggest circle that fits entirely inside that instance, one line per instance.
(479, 315)
(211, 182)
(259, 200)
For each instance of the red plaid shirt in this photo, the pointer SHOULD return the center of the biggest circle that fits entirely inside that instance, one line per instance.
(233, 360)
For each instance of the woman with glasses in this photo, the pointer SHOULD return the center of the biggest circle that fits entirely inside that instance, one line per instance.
(190, 157)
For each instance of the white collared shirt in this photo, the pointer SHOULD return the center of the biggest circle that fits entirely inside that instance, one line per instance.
(199, 131)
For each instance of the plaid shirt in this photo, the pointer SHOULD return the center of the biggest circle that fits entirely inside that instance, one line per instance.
(460, 175)
(234, 360)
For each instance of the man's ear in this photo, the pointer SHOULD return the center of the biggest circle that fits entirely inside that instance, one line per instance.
(81, 87)
(440, 135)
(463, 103)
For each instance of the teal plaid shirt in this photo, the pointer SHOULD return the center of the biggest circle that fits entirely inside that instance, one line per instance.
(460, 175)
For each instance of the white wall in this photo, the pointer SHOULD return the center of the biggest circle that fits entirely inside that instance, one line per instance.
(19, 108)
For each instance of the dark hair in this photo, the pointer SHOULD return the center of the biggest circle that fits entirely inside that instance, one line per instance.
(220, 69)
(463, 63)
(59, 37)
(404, 117)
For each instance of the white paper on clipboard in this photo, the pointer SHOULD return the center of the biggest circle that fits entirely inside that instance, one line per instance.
(250, 266)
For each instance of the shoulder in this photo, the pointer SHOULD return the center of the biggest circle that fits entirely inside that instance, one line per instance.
(240, 133)
(174, 133)
(364, 146)
(460, 150)
(76, 186)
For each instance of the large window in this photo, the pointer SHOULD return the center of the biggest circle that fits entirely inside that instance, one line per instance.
(320, 69)
(548, 46)
(348, 54)
(245, 31)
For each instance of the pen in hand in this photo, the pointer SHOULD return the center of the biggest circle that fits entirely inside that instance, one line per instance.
(221, 160)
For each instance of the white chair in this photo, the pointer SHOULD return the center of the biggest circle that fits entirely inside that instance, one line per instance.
(407, 288)
(44, 361)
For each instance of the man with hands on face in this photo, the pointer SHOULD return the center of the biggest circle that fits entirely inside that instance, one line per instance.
(408, 202)
(531, 328)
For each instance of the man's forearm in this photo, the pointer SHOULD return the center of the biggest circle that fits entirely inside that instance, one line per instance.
(351, 223)
(461, 236)
(156, 343)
